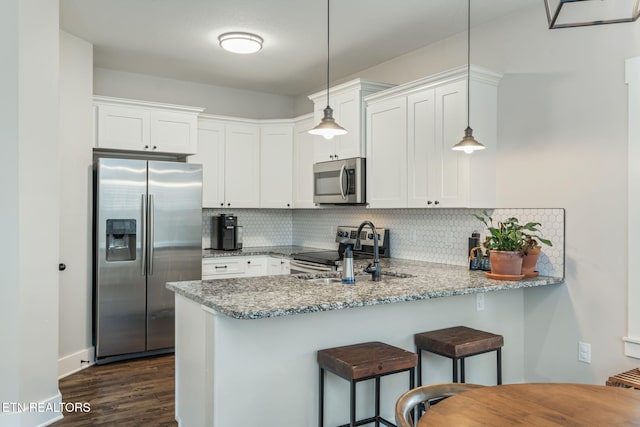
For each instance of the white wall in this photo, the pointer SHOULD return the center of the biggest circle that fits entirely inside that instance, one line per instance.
(75, 156)
(215, 99)
(562, 136)
(29, 214)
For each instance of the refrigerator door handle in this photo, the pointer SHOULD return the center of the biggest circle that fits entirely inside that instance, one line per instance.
(143, 239)
(151, 225)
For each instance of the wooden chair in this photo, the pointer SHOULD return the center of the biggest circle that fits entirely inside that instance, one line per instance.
(410, 400)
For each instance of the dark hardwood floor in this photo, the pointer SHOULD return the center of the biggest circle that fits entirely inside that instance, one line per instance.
(129, 393)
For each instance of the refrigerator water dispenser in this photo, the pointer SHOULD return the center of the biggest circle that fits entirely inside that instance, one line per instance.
(121, 239)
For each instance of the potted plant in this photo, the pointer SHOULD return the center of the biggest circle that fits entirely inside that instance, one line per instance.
(509, 242)
(532, 250)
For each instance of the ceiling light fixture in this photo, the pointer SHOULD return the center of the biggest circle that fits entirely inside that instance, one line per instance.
(242, 43)
(468, 144)
(582, 13)
(328, 128)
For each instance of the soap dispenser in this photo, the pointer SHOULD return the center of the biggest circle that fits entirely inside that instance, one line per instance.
(347, 267)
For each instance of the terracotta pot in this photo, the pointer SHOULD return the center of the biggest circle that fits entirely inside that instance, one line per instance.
(529, 260)
(505, 262)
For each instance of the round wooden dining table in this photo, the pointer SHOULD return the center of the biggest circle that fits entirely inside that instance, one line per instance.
(537, 404)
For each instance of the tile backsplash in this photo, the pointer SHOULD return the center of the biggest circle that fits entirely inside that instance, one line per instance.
(434, 235)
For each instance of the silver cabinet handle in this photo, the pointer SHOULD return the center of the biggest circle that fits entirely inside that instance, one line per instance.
(143, 238)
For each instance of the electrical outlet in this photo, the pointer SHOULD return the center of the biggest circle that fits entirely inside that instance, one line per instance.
(584, 352)
(479, 302)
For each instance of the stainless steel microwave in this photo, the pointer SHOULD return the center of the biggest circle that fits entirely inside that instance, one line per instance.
(339, 182)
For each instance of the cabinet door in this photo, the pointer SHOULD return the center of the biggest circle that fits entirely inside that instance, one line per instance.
(276, 166)
(278, 266)
(387, 154)
(303, 165)
(211, 156)
(174, 132)
(256, 266)
(347, 108)
(123, 128)
(242, 166)
(448, 169)
(421, 150)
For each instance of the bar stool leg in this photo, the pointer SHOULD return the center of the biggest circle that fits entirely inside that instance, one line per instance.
(353, 404)
(419, 371)
(411, 386)
(462, 370)
(321, 403)
(377, 401)
(455, 370)
(499, 357)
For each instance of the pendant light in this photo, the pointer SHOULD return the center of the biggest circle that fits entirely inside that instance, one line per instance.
(328, 128)
(468, 144)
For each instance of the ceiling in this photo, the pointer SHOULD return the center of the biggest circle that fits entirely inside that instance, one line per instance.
(178, 38)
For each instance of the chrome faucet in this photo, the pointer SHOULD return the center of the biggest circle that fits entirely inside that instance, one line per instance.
(373, 268)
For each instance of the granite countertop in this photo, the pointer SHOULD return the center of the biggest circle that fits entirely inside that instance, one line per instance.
(402, 280)
(285, 251)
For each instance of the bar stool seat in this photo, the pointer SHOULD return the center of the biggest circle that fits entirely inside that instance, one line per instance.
(457, 343)
(360, 362)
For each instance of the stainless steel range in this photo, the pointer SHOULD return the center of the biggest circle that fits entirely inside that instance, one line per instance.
(328, 261)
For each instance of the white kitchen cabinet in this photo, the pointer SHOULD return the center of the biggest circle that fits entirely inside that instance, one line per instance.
(434, 119)
(303, 163)
(387, 153)
(278, 266)
(228, 267)
(123, 124)
(211, 137)
(276, 166)
(242, 166)
(347, 101)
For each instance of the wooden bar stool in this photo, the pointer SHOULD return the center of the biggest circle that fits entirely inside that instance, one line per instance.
(360, 362)
(458, 343)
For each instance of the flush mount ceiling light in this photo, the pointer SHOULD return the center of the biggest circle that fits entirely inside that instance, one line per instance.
(328, 128)
(242, 43)
(468, 144)
(582, 13)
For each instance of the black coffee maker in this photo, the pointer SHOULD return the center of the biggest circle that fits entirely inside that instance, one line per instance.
(226, 234)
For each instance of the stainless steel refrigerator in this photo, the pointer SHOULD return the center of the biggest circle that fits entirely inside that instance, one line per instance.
(147, 231)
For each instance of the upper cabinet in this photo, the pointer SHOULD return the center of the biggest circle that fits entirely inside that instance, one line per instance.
(123, 124)
(410, 131)
(276, 166)
(347, 101)
(245, 164)
(303, 160)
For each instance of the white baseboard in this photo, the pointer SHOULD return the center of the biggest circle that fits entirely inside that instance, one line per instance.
(72, 363)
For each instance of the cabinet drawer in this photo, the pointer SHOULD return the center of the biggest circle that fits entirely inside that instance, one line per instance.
(221, 268)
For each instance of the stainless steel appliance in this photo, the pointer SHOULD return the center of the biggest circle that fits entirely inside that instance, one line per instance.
(339, 182)
(226, 234)
(147, 231)
(328, 261)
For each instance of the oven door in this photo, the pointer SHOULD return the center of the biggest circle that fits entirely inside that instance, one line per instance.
(339, 181)
(306, 267)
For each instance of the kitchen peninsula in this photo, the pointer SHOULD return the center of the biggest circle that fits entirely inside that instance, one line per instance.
(246, 348)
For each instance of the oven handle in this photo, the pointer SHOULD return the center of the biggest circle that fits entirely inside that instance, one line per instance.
(343, 190)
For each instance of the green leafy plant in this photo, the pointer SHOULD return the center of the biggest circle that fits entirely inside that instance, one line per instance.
(510, 235)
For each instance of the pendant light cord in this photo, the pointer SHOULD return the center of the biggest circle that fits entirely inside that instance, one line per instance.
(468, 60)
(328, 19)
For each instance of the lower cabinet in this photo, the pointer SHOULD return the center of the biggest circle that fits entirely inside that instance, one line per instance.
(229, 267)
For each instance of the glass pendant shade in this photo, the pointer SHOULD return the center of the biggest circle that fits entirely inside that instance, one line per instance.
(468, 144)
(328, 128)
